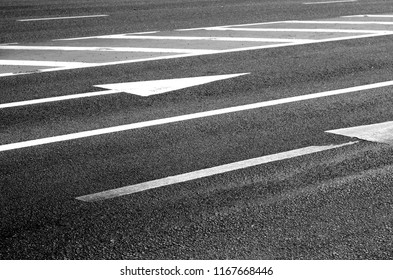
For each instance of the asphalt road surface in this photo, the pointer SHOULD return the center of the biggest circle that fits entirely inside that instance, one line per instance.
(265, 131)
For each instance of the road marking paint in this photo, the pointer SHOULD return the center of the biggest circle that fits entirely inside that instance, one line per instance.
(343, 22)
(244, 24)
(148, 88)
(145, 88)
(372, 16)
(99, 36)
(235, 39)
(171, 180)
(126, 127)
(89, 65)
(368, 34)
(107, 49)
(43, 63)
(329, 2)
(379, 132)
(58, 18)
(323, 30)
(54, 99)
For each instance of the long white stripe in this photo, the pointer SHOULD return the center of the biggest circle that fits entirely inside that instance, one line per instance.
(244, 24)
(372, 16)
(175, 119)
(329, 2)
(56, 18)
(343, 22)
(99, 36)
(54, 99)
(42, 63)
(235, 39)
(207, 172)
(105, 49)
(322, 30)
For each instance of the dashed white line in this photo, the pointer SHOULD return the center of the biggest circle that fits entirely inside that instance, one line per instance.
(207, 172)
(59, 18)
(120, 128)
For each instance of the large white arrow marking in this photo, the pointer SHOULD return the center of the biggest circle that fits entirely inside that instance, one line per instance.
(147, 88)
(379, 132)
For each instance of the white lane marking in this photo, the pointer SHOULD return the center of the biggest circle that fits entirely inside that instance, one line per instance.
(311, 30)
(234, 39)
(379, 132)
(244, 24)
(99, 36)
(106, 49)
(58, 18)
(126, 127)
(343, 22)
(55, 99)
(207, 172)
(42, 63)
(329, 2)
(148, 88)
(372, 16)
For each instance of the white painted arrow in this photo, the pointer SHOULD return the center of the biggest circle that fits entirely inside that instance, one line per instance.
(147, 88)
(379, 132)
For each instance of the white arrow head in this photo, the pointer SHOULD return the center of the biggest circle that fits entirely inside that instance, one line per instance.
(379, 132)
(147, 88)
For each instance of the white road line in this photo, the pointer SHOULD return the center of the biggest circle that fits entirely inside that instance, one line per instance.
(106, 49)
(99, 36)
(96, 132)
(58, 18)
(207, 172)
(244, 24)
(329, 2)
(235, 39)
(372, 16)
(343, 22)
(42, 63)
(322, 30)
(54, 99)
